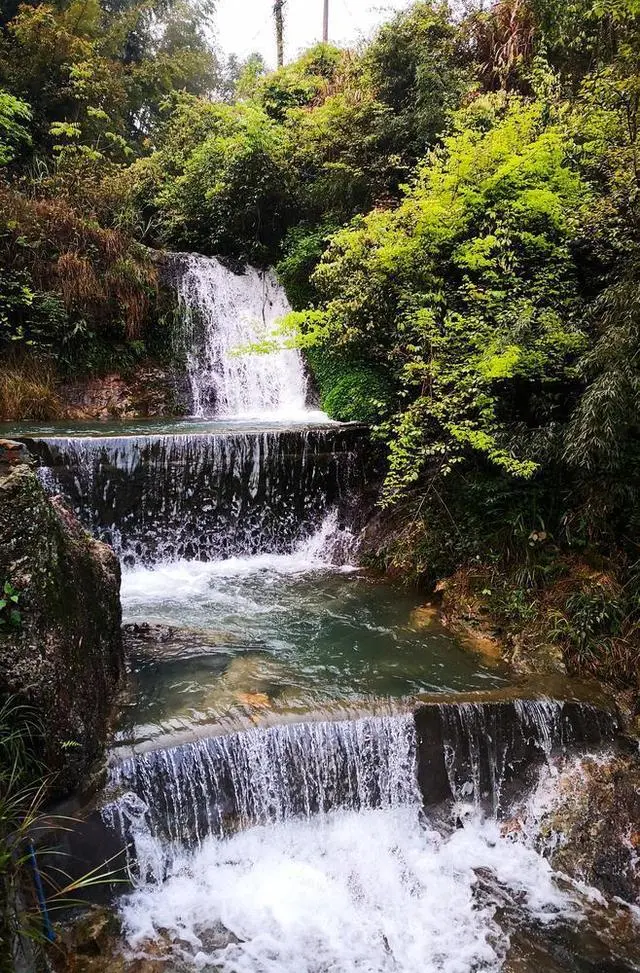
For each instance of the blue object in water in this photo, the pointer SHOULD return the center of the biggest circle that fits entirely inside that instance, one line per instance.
(42, 902)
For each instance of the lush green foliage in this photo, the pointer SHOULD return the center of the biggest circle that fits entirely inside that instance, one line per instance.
(219, 183)
(313, 143)
(14, 134)
(350, 391)
(81, 90)
(499, 299)
(468, 291)
(94, 75)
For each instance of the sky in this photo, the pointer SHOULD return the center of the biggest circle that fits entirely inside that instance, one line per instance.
(245, 26)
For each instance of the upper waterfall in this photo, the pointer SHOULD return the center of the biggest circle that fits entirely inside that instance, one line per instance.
(223, 313)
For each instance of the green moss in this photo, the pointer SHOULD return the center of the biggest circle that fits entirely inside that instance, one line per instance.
(350, 391)
(65, 659)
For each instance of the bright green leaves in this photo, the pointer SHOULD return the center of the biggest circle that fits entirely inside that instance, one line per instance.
(498, 363)
(466, 294)
(15, 116)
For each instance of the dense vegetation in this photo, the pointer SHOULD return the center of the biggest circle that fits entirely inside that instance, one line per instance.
(454, 211)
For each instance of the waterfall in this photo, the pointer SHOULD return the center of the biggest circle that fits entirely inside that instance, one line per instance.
(232, 491)
(372, 891)
(175, 798)
(472, 751)
(204, 496)
(224, 313)
(214, 786)
(301, 843)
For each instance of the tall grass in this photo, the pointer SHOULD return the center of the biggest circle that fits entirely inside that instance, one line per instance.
(28, 389)
(101, 274)
(24, 789)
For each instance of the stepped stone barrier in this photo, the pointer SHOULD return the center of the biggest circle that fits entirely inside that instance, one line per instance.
(485, 753)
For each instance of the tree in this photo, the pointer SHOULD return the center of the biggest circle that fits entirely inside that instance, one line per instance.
(419, 68)
(468, 294)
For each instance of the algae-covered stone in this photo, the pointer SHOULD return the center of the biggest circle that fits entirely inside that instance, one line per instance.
(63, 656)
(596, 811)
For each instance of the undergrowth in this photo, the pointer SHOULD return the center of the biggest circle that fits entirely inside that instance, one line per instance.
(522, 566)
(29, 390)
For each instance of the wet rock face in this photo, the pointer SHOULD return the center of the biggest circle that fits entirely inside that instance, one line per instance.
(597, 813)
(63, 655)
(490, 752)
(93, 943)
(148, 391)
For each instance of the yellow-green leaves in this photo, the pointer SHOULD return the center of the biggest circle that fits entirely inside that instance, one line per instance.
(15, 116)
(498, 364)
(466, 294)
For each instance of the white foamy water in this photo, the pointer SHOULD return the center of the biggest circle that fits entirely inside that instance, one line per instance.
(225, 313)
(176, 581)
(348, 892)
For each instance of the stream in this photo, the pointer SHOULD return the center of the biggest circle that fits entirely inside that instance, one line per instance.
(285, 806)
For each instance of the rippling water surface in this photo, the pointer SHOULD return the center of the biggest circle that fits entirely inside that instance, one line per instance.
(281, 632)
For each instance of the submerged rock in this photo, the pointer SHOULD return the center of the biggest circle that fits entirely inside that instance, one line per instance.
(61, 651)
(158, 641)
(251, 681)
(94, 943)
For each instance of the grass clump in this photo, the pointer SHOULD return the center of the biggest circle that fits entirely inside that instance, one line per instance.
(28, 388)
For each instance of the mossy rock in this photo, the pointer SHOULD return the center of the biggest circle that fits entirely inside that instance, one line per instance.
(64, 658)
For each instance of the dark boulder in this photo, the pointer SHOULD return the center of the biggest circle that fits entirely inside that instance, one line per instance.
(61, 653)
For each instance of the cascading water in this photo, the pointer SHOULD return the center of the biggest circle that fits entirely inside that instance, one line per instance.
(373, 891)
(307, 847)
(224, 314)
(311, 845)
(458, 752)
(260, 776)
(207, 495)
(224, 489)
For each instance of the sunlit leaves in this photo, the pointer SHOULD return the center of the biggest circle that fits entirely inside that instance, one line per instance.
(15, 116)
(467, 292)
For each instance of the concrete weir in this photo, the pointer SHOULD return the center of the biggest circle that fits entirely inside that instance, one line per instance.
(205, 495)
(481, 751)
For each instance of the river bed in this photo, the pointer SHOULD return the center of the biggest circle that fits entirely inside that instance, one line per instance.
(281, 633)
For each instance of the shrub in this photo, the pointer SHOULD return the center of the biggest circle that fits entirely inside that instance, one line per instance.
(350, 391)
(303, 249)
(68, 284)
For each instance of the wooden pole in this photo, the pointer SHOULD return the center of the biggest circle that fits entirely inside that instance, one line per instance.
(277, 10)
(325, 23)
